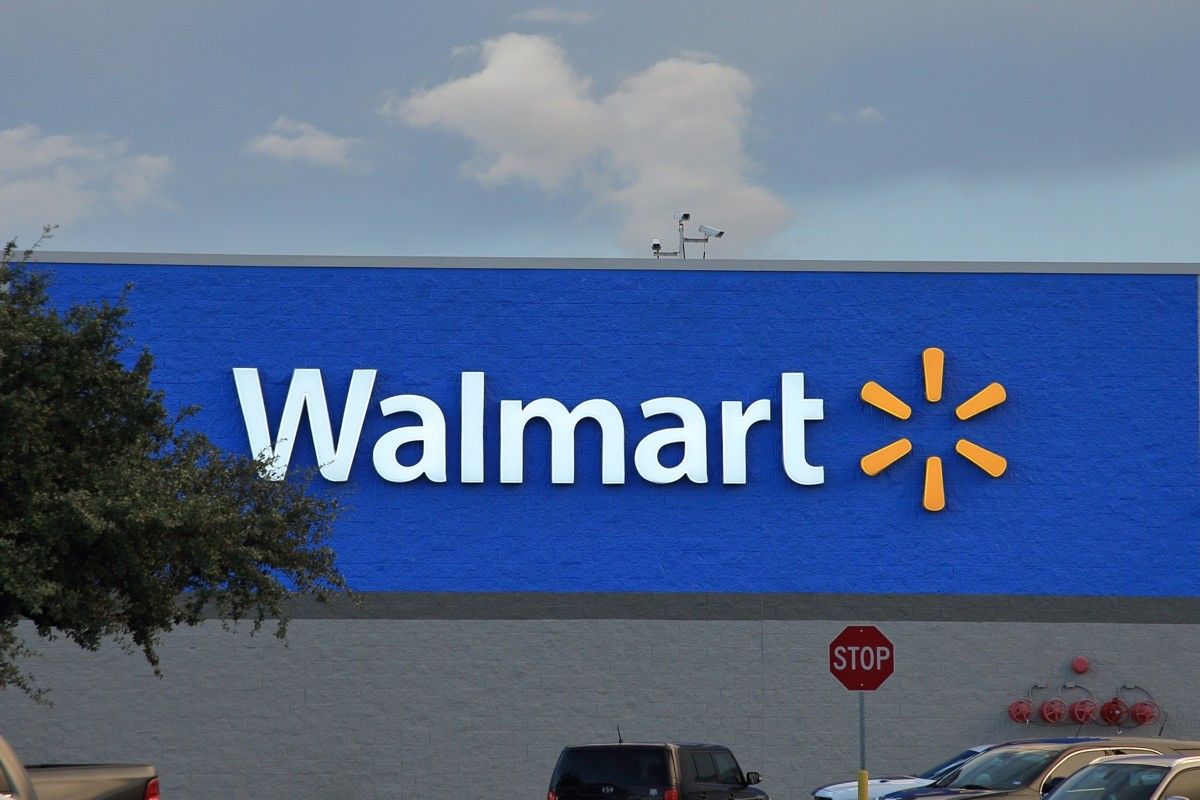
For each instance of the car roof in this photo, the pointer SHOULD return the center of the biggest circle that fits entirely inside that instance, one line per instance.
(598, 745)
(1065, 740)
(1082, 742)
(1151, 761)
(1048, 745)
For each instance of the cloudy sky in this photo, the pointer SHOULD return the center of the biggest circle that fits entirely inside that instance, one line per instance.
(846, 130)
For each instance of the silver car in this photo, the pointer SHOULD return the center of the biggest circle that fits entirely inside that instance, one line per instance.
(1133, 778)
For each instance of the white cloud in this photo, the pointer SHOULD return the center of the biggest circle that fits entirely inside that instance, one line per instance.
(867, 115)
(670, 137)
(527, 111)
(292, 140)
(138, 182)
(553, 16)
(59, 179)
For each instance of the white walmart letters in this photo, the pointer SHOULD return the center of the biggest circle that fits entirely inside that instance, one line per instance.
(562, 438)
(307, 393)
(431, 432)
(306, 390)
(798, 409)
(691, 434)
(735, 424)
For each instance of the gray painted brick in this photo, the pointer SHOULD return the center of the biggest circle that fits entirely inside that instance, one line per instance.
(403, 708)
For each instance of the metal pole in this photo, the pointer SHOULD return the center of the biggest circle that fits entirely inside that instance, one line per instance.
(862, 731)
(682, 244)
(862, 746)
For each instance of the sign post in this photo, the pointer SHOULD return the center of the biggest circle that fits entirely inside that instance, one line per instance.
(862, 658)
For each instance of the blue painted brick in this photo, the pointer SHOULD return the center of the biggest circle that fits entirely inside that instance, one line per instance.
(1100, 428)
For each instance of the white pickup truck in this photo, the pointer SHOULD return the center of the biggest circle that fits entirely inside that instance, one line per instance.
(74, 781)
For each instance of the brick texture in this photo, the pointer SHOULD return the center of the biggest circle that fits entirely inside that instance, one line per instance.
(479, 709)
(1099, 429)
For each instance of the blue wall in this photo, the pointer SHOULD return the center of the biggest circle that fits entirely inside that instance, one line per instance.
(1100, 426)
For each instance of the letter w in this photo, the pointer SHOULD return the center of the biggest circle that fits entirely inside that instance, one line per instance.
(306, 391)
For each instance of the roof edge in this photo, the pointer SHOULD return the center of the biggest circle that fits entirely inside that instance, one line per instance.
(690, 265)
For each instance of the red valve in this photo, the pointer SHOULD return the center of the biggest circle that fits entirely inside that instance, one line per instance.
(1114, 711)
(1083, 711)
(1053, 711)
(1020, 711)
(1144, 712)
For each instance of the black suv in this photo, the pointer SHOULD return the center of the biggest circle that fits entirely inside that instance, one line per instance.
(668, 771)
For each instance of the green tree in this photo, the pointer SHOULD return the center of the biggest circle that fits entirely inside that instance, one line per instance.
(116, 522)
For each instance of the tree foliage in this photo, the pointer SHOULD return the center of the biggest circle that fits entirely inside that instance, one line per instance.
(117, 522)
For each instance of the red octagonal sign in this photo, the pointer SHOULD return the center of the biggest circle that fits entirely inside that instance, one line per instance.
(862, 658)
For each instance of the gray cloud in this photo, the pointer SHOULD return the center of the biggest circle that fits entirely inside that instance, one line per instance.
(867, 115)
(553, 16)
(1025, 94)
(671, 136)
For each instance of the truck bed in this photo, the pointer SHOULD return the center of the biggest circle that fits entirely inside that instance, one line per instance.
(90, 781)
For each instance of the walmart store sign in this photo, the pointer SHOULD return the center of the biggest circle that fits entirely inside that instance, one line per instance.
(741, 431)
(335, 455)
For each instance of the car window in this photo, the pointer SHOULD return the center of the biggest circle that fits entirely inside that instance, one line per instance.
(933, 773)
(728, 772)
(1185, 784)
(1111, 782)
(706, 769)
(621, 767)
(948, 779)
(1073, 763)
(1005, 768)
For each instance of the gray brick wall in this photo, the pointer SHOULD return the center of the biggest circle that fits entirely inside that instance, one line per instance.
(476, 708)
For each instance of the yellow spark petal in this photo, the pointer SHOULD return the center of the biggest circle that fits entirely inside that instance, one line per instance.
(885, 401)
(934, 361)
(993, 464)
(989, 396)
(884, 457)
(935, 491)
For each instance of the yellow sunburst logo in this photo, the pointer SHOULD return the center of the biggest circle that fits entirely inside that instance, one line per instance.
(990, 396)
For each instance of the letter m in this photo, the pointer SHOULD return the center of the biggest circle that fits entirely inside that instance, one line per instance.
(513, 418)
(306, 391)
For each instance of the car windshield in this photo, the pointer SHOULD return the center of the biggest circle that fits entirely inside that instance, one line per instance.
(1111, 782)
(946, 767)
(1005, 769)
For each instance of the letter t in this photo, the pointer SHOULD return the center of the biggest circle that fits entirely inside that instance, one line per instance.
(797, 410)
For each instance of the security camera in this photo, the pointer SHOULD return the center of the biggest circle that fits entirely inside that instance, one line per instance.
(683, 216)
(709, 230)
(655, 245)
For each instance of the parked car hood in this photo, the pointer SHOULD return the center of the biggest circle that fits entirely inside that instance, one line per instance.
(948, 793)
(876, 787)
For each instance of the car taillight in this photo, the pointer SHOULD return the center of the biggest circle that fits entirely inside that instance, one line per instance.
(152, 790)
(671, 794)
(551, 795)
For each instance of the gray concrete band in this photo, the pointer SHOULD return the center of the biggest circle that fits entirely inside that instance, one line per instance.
(737, 606)
(663, 264)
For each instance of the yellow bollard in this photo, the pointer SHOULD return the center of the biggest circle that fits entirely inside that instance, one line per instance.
(862, 784)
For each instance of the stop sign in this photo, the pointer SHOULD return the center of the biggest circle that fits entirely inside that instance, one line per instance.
(862, 658)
